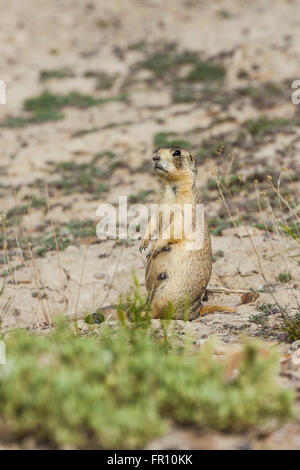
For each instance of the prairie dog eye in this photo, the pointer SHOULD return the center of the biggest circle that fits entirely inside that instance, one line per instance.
(176, 153)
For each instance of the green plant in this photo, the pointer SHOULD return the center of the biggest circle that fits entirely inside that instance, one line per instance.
(211, 148)
(83, 132)
(105, 81)
(183, 93)
(122, 389)
(140, 196)
(165, 61)
(264, 226)
(86, 177)
(293, 231)
(263, 96)
(2, 288)
(34, 202)
(137, 46)
(48, 106)
(217, 254)
(284, 277)
(291, 326)
(234, 183)
(46, 75)
(206, 71)
(216, 225)
(47, 243)
(80, 228)
(170, 138)
(262, 318)
(261, 126)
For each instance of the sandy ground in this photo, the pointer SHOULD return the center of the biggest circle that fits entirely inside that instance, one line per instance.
(257, 43)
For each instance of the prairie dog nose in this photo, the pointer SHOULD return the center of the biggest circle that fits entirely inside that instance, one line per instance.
(156, 157)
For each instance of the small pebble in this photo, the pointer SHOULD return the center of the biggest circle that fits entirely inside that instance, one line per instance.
(295, 345)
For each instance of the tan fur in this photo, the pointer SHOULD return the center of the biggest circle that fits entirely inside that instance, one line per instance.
(175, 275)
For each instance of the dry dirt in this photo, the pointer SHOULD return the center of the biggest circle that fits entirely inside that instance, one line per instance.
(44, 181)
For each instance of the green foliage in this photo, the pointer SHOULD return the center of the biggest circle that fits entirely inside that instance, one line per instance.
(212, 148)
(163, 62)
(46, 75)
(170, 138)
(34, 203)
(47, 107)
(284, 277)
(44, 115)
(122, 389)
(67, 234)
(217, 254)
(3, 287)
(14, 122)
(80, 228)
(216, 225)
(96, 317)
(137, 46)
(206, 71)
(293, 230)
(263, 96)
(262, 318)
(85, 177)
(264, 225)
(105, 81)
(233, 183)
(49, 101)
(291, 326)
(140, 196)
(183, 93)
(47, 243)
(262, 125)
(83, 132)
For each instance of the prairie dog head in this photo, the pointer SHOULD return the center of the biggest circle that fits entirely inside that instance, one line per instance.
(173, 164)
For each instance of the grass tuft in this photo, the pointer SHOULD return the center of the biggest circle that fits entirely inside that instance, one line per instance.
(284, 277)
(122, 390)
(165, 62)
(291, 326)
(46, 75)
(263, 125)
(206, 71)
(170, 138)
(48, 106)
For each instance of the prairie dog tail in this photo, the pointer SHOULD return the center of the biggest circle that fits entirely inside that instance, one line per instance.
(215, 309)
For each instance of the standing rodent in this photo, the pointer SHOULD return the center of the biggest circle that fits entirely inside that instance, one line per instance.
(174, 275)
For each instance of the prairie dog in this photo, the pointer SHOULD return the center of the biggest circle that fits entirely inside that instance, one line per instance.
(174, 275)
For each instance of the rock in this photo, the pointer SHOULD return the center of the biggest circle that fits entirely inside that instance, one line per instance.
(295, 345)
(295, 359)
(249, 297)
(199, 342)
(100, 276)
